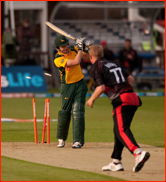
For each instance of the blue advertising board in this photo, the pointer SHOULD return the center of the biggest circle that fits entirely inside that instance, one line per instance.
(16, 79)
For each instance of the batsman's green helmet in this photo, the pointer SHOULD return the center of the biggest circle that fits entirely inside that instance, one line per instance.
(61, 41)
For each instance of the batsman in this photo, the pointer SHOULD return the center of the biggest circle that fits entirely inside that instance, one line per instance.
(73, 89)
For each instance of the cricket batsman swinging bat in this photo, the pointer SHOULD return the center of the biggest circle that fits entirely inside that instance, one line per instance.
(58, 30)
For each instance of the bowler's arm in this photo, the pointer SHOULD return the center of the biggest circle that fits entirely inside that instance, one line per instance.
(130, 80)
(98, 91)
(86, 57)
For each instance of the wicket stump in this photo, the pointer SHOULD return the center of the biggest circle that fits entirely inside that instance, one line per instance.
(46, 118)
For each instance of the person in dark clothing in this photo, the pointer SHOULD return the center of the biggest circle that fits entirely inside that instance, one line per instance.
(128, 58)
(25, 35)
(108, 54)
(116, 83)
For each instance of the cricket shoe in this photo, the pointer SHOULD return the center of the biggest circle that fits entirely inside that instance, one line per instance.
(140, 160)
(77, 145)
(61, 143)
(113, 167)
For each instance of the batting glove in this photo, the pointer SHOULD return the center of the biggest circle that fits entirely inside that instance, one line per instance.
(87, 43)
(79, 43)
(86, 46)
(86, 49)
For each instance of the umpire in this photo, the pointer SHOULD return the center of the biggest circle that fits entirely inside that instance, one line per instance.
(108, 77)
(73, 90)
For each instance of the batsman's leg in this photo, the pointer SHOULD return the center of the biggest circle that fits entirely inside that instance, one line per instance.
(79, 114)
(64, 115)
(78, 123)
(63, 124)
